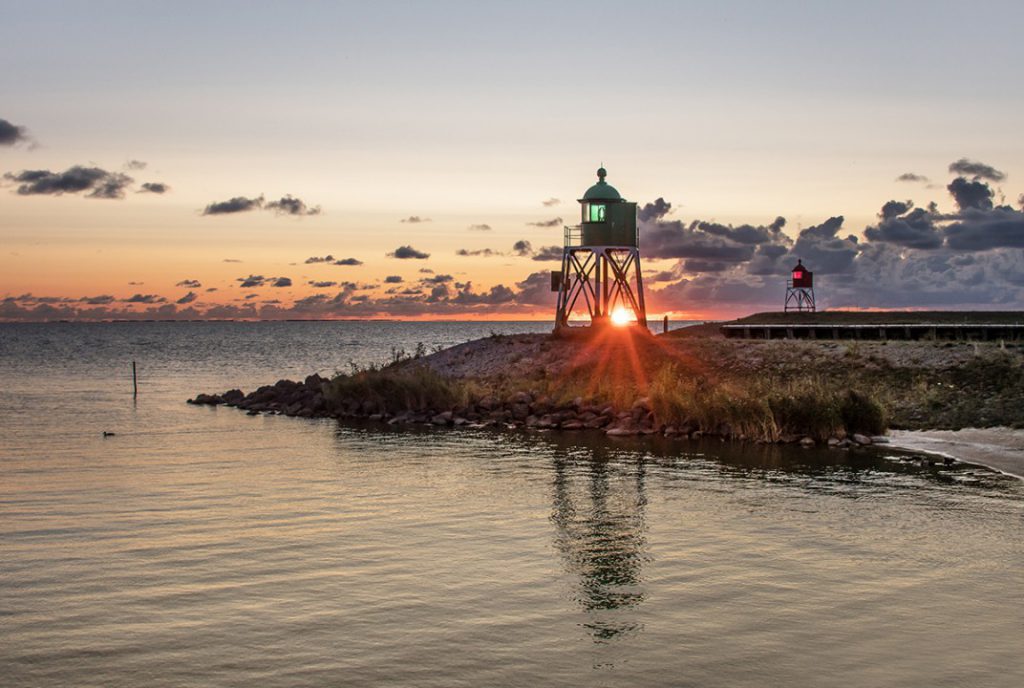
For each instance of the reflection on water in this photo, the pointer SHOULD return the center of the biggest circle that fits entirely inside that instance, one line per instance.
(201, 546)
(599, 517)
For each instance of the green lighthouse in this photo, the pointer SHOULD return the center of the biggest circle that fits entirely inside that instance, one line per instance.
(601, 261)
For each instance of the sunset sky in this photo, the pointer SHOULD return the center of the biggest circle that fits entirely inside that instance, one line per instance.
(204, 159)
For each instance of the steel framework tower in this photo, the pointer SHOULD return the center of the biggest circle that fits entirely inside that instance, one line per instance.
(601, 260)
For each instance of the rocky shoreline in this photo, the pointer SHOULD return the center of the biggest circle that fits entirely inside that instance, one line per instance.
(521, 410)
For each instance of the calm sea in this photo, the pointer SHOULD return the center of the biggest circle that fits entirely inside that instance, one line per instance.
(204, 547)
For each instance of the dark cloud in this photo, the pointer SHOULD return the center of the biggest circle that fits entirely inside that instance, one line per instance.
(322, 285)
(407, 252)
(486, 252)
(98, 182)
(553, 222)
(135, 165)
(743, 234)
(348, 261)
(535, 290)
(238, 204)
(154, 187)
(911, 177)
(916, 229)
(978, 170)
(480, 228)
(673, 240)
(971, 194)
(652, 212)
(10, 134)
(497, 295)
(231, 260)
(550, 202)
(289, 205)
(189, 284)
(821, 247)
(693, 265)
(252, 281)
(187, 298)
(144, 298)
(437, 279)
(393, 279)
(548, 253)
(319, 259)
(97, 300)
(522, 248)
(281, 282)
(894, 209)
(981, 230)
(415, 219)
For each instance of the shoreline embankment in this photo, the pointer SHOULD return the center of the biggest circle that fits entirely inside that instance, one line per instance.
(626, 382)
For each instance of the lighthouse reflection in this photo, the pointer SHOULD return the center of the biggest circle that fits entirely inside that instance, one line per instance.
(598, 515)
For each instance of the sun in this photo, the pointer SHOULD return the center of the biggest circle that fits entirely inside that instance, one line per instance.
(620, 317)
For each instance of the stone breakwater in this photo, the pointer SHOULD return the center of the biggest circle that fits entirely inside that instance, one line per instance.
(521, 410)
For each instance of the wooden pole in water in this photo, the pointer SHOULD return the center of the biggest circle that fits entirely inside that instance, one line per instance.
(135, 381)
(664, 325)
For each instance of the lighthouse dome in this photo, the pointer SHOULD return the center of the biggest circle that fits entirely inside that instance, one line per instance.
(602, 191)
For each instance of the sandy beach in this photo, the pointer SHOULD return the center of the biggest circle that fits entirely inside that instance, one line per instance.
(1001, 449)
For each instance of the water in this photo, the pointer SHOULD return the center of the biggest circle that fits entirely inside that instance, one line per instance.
(201, 546)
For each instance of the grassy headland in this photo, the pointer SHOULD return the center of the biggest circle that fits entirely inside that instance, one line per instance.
(623, 382)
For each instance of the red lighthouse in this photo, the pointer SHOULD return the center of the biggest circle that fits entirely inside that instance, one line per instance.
(800, 290)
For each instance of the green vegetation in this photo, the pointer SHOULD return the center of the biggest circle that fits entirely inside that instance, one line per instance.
(394, 389)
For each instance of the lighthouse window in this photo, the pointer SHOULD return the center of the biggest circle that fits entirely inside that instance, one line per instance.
(596, 213)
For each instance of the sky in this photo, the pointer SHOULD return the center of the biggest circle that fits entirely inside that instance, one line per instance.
(419, 160)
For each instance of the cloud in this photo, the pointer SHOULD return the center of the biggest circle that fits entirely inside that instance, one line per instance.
(548, 253)
(486, 252)
(154, 187)
(981, 230)
(393, 279)
(144, 298)
(189, 284)
(426, 271)
(978, 170)
(971, 194)
(319, 259)
(522, 248)
(407, 252)
(654, 211)
(98, 182)
(550, 202)
(821, 247)
(135, 165)
(252, 281)
(480, 228)
(437, 279)
(911, 177)
(348, 261)
(415, 219)
(894, 209)
(281, 282)
(321, 285)
(289, 205)
(187, 298)
(497, 295)
(916, 229)
(97, 300)
(231, 260)
(553, 222)
(238, 204)
(11, 134)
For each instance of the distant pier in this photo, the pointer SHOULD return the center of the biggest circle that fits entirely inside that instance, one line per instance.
(977, 326)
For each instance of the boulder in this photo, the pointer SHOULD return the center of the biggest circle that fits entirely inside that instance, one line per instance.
(861, 439)
(807, 442)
